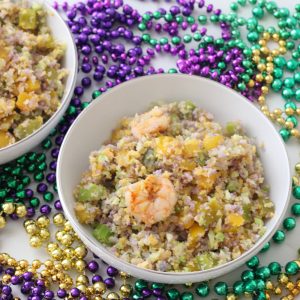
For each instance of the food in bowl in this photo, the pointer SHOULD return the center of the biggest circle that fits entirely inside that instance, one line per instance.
(173, 190)
(31, 75)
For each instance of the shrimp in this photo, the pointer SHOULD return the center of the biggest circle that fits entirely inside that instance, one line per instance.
(156, 120)
(151, 200)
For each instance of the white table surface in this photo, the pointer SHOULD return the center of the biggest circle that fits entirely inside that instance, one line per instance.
(14, 240)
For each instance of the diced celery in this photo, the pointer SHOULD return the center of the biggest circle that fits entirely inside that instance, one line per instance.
(233, 186)
(230, 128)
(247, 212)
(28, 19)
(220, 237)
(45, 42)
(102, 233)
(27, 127)
(91, 192)
(202, 158)
(211, 240)
(214, 239)
(102, 158)
(149, 158)
(259, 222)
(175, 124)
(187, 107)
(266, 188)
(205, 261)
(178, 208)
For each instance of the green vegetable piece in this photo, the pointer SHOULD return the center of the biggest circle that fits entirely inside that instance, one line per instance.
(91, 192)
(149, 159)
(27, 127)
(230, 128)
(205, 261)
(103, 233)
(28, 19)
(175, 124)
(187, 107)
(247, 212)
(202, 158)
(233, 186)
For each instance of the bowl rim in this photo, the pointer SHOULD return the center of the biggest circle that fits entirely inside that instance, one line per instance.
(66, 98)
(159, 275)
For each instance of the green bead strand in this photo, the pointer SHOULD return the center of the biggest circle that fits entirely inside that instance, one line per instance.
(157, 285)
(247, 275)
(295, 209)
(260, 284)
(239, 287)
(253, 262)
(261, 296)
(172, 294)
(34, 202)
(291, 268)
(285, 134)
(47, 144)
(140, 284)
(263, 273)
(202, 290)
(48, 196)
(221, 288)
(278, 237)
(187, 296)
(289, 223)
(296, 192)
(96, 94)
(250, 286)
(275, 268)
(258, 12)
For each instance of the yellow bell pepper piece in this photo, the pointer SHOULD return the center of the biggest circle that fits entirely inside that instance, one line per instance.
(204, 179)
(188, 165)
(235, 220)
(211, 142)
(5, 139)
(191, 147)
(196, 231)
(167, 145)
(3, 53)
(21, 102)
(125, 157)
(27, 102)
(33, 86)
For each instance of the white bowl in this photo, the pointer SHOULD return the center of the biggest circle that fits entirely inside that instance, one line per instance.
(62, 34)
(96, 122)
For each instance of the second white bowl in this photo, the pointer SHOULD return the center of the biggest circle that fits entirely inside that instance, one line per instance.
(62, 34)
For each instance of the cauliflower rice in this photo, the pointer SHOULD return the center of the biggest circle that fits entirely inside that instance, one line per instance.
(31, 76)
(173, 190)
